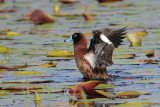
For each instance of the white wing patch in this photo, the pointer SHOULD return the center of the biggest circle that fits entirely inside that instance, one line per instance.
(105, 39)
(91, 59)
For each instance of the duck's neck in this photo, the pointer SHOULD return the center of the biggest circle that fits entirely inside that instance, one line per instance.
(80, 47)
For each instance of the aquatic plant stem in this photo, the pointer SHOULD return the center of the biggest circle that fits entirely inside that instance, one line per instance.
(49, 94)
(84, 97)
(25, 101)
(27, 82)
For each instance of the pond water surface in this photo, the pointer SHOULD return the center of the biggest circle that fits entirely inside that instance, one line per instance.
(35, 41)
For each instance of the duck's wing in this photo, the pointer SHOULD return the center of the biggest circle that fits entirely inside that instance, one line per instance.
(99, 53)
(115, 36)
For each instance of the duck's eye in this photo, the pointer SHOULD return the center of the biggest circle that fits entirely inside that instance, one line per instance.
(75, 35)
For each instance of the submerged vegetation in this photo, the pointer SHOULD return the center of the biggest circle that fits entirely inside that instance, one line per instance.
(38, 69)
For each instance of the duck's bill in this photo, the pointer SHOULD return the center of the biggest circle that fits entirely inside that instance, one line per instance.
(67, 40)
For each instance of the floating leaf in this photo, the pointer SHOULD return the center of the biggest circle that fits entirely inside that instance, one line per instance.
(88, 17)
(8, 10)
(141, 33)
(4, 61)
(106, 94)
(134, 39)
(149, 53)
(3, 93)
(37, 97)
(124, 56)
(33, 80)
(157, 32)
(49, 64)
(68, 1)
(102, 1)
(2, 2)
(135, 104)
(127, 94)
(3, 49)
(17, 66)
(27, 73)
(104, 86)
(92, 93)
(76, 102)
(56, 8)
(61, 53)
(24, 88)
(88, 84)
(149, 61)
(149, 81)
(12, 33)
(88, 88)
(62, 104)
(82, 103)
(39, 17)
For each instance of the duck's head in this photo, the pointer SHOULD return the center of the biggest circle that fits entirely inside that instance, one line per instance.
(75, 37)
(78, 39)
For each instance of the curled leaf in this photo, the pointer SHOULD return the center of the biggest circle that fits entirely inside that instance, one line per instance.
(134, 39)
(39, 17)
(88, 84)
(56, 8)
(87, 17)
(60, 53)
(141, 33)
(37, 97)
(4, 61)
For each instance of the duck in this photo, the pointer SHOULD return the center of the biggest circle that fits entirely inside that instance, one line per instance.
(92, 61)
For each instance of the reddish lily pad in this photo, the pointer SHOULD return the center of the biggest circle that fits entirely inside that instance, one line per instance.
(88, 17)
(24, 88)
(87, 85)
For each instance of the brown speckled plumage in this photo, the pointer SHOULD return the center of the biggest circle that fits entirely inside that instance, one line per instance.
(92, 62)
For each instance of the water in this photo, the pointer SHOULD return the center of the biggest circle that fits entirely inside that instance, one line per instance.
(128, 74)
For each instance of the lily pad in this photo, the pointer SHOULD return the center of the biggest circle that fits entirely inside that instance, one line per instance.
(49, 64)
(12, 33)
(27, 73)
(104, 86)
(60, 53)
(137, 104)
(127, 94)
(154, 81)
(24, 88)
(3, 49)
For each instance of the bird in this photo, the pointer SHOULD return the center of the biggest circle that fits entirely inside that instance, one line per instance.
(92, 61)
